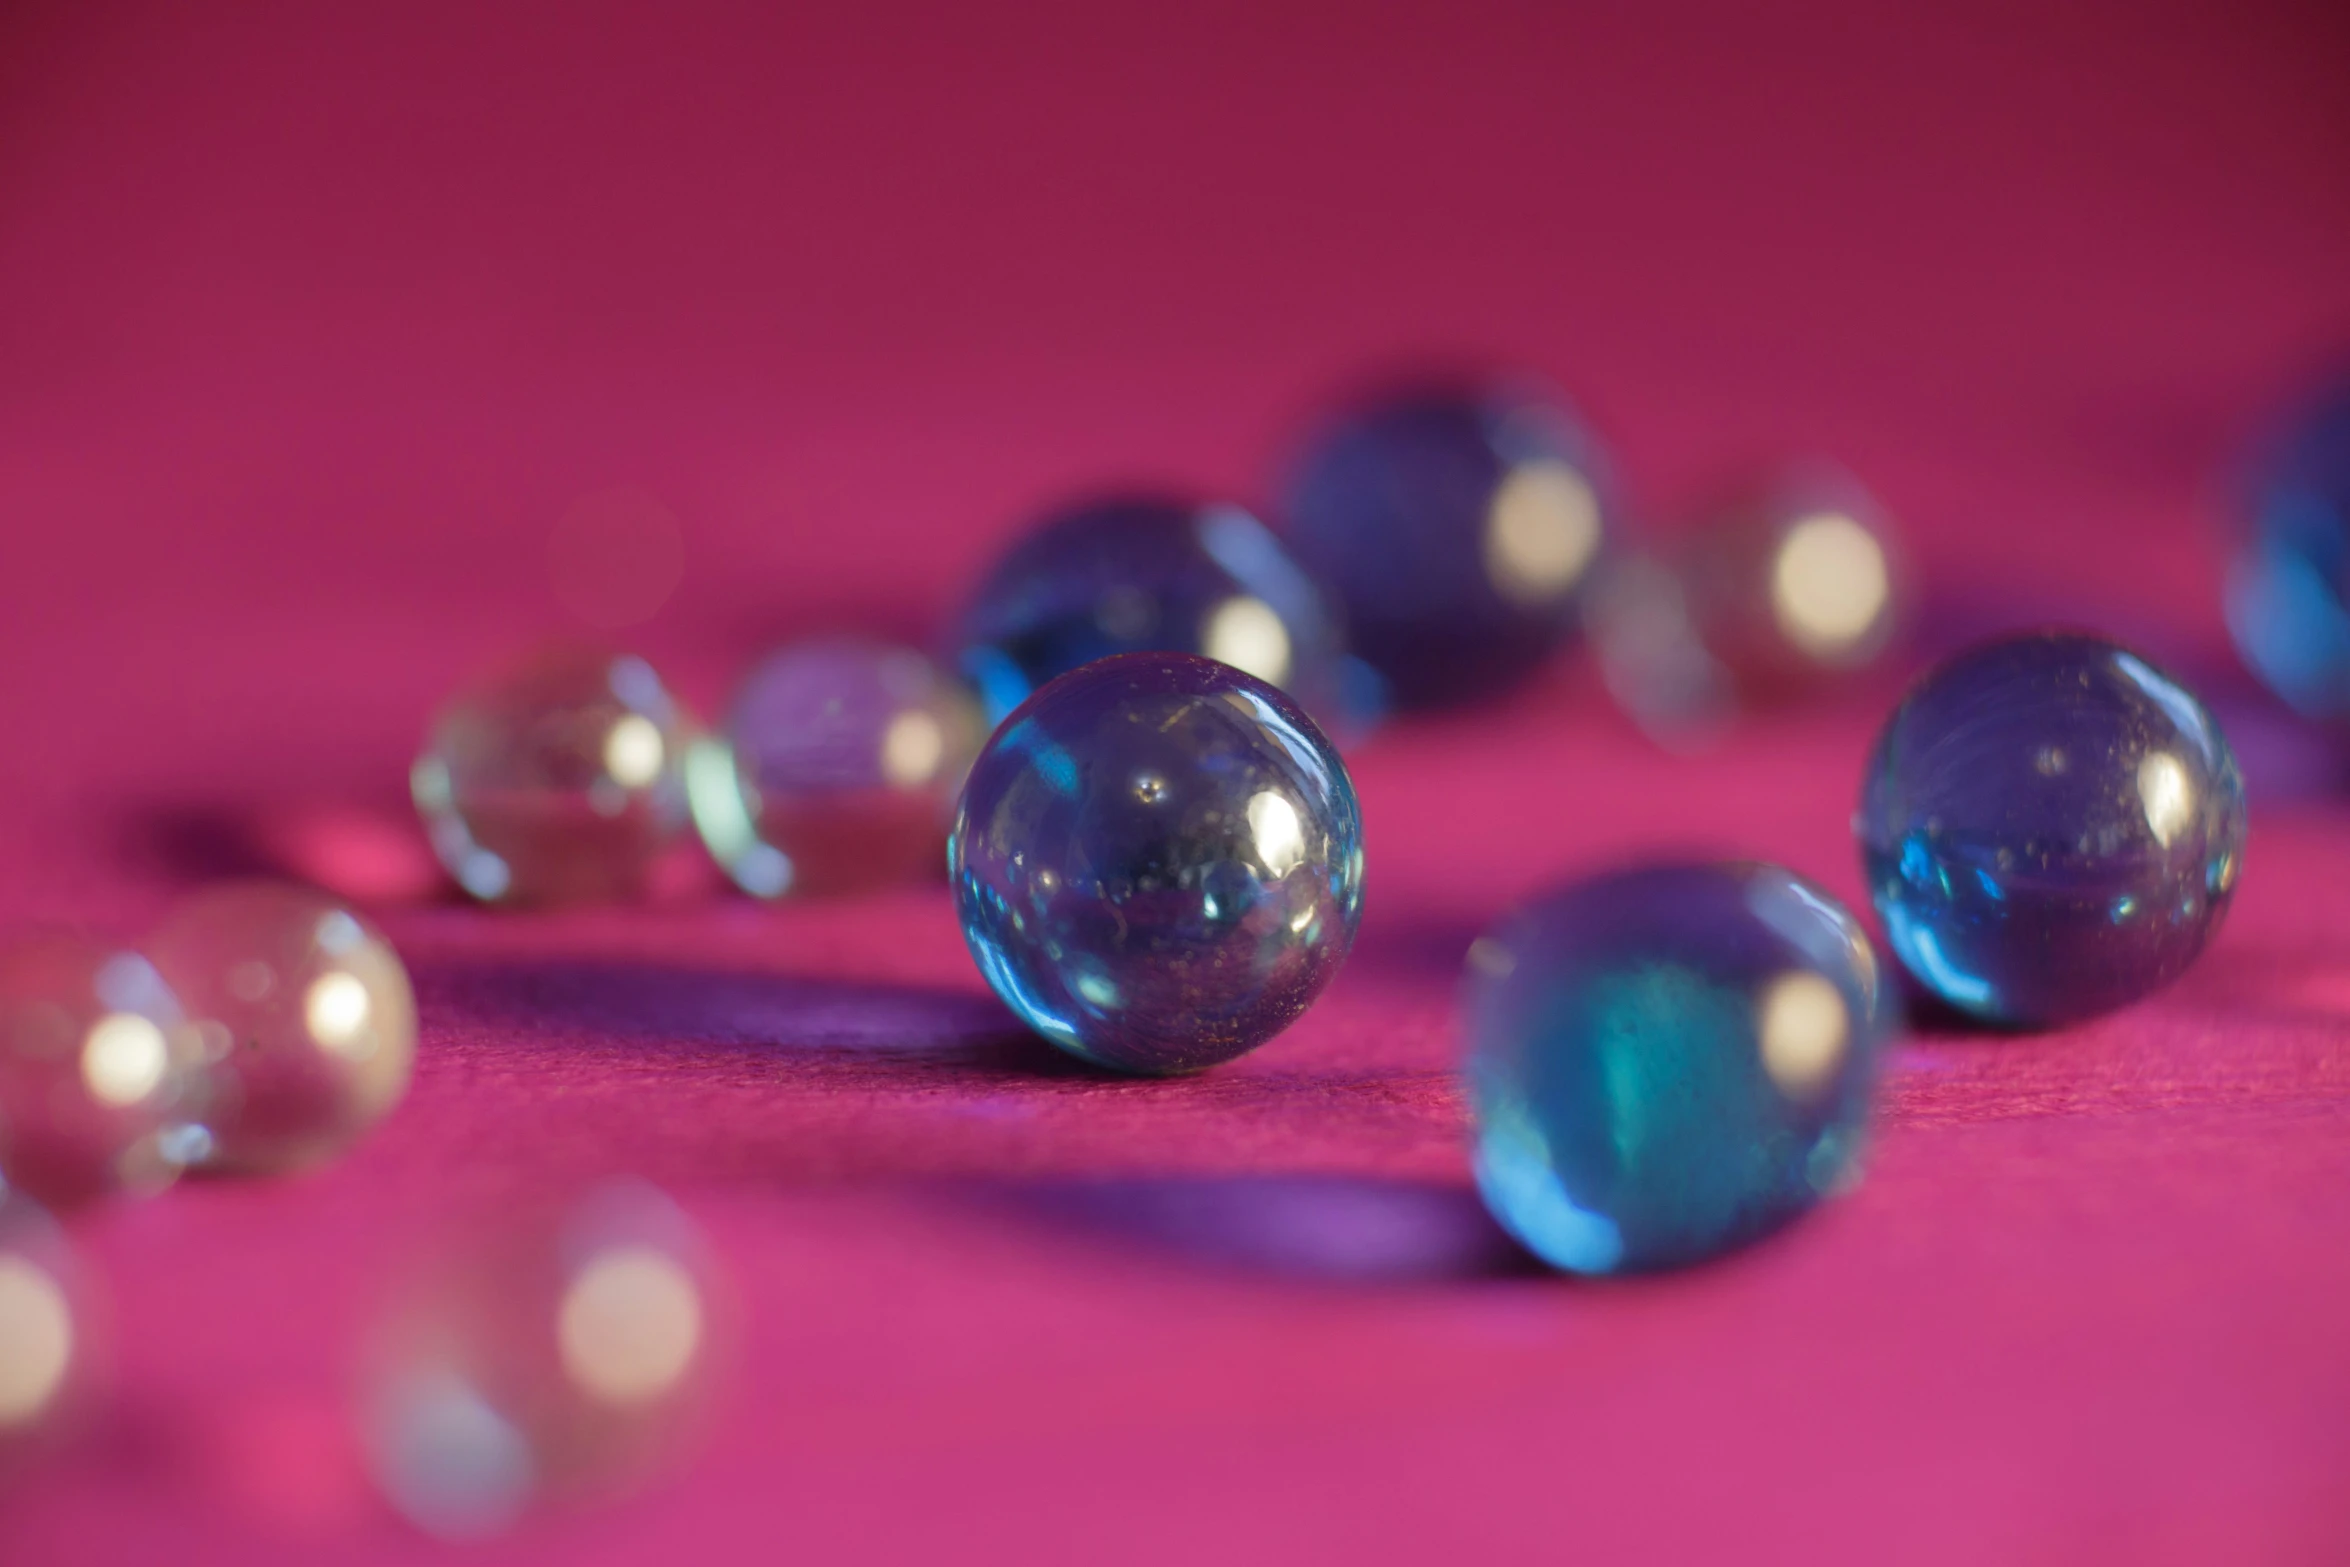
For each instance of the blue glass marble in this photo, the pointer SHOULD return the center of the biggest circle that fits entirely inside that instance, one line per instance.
(1145, 573)
(1668, 1062)
(2288, 590)
(2051, 828)
(1457, 528)
(1158, 862)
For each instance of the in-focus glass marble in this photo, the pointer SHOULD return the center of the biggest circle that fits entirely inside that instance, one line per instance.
(551, 1359)
(97, 1072)
(1457, 528)
(304, 1016)
(2288, 590)
(1144, 573)
(47, 1357)
(557, 779)
(2051, 828)
(837, 769)
(1668, 1062)
(1158, 862)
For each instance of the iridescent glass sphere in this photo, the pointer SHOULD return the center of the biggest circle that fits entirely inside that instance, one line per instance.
(1146, 573)
(558, 779)
(97, 1072)
(1456, 527)
(305, 1017)
(2288, 592)
(47, 1358)
(1668, 1062)
(837, 769)
(1158, 862)
(2051, 828)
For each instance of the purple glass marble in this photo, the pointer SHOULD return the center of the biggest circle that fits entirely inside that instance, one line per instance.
(837, 770)
(1132, 574)
(2051, 828)
(1669, 1062)
(1456, 527)
(2288, 592)
(1158, 862)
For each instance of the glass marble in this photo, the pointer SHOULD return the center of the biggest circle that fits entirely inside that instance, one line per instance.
(557, 779)
(1158, 862)
(1456, 527)
(1153, 573)
(304, 1016)
(47, 1358)
(837, 769)
(2051, 828)
(1668, 1062)
(2288, 589)
(97, 1072)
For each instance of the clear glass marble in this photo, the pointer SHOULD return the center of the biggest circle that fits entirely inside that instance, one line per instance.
(837, 769)
(1668, 1062)
(1457, 527)
(2288, 589)
(2051, 828)
(1158, 862)
(48, 1360)
(303, 1014)
(1131, 574)
(557, 779)
(97, 1072)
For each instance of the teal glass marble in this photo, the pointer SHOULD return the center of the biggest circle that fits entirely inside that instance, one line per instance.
(1158, 862)
(2051, 828)
(2288, 588)
(1668, 1062)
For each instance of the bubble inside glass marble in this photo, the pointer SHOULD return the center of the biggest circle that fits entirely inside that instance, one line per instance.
(837, 770)
(97, 1072)
(1158, 862)
(2051, 828)
(1457, 528)
(303, 1014)
(1132, 574)
(558, 779)
(45, 1349)
(1669, 1062)
(2288, 589)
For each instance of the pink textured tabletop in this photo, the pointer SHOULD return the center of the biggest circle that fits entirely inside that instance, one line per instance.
(317, 318)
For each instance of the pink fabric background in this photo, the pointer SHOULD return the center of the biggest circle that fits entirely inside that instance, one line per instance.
(317, 318)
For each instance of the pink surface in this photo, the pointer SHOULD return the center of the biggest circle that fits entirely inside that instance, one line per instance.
(320, 317)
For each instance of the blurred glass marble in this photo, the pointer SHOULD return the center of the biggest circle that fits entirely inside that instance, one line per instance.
(2051, 828)
(1772, 591)
(48, 1354)
(1142, 573)
(558, 1357)
(98, 1074)
(1158, 862)
(837, 770)
(1457, 527)
(304, 1015)
(2288, 587)
(1668, 1062)
(556, 779)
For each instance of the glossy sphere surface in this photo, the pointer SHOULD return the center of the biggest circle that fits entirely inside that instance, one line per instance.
(1150, 574)
(1666, 1063)
(2051, 828)
(1457, 529)
(96, 1071)
(556, 780)
(837, 770)
(2288, 596)
(304, 1016)
(1158, 862)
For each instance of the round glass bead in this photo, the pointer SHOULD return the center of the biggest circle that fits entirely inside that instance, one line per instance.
(1135, 574)
(1158, 862)
(304, 1015)
(97, 1072)
(2051, 828)
(1669, 1062)
(837, 770)
(558, 779)
(47, 1360)
(2288, 590)
(1456, 528)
